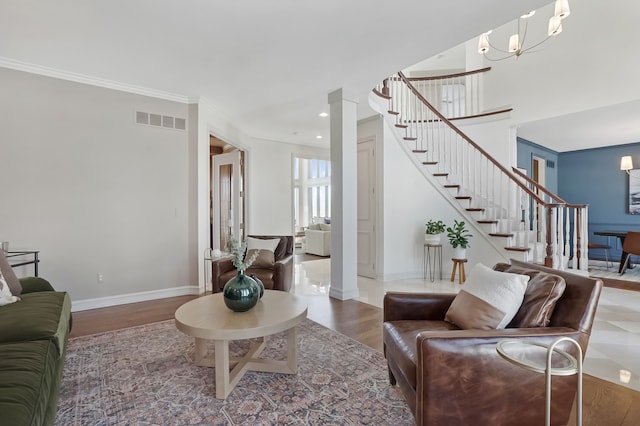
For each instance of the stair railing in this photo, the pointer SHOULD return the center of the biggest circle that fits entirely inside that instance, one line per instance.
(529, 217)
(456, 96)
(576, 220)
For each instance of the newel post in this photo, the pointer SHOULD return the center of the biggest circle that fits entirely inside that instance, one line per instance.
(550, 240)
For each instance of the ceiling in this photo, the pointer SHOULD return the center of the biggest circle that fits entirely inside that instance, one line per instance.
(266, 65)
(607, 126)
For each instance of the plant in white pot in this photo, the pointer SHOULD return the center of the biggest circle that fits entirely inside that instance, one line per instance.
(459, 238)
(433, 229)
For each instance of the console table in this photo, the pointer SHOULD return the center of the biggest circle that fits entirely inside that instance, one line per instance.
(21, 262)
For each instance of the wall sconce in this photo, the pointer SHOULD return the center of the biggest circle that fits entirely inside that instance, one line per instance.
(626, 164)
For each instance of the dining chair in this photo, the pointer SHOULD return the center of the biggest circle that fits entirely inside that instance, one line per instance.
(606, 248)
(630, 246)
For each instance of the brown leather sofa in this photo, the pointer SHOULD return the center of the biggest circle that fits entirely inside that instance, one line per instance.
(277, 278)
(451, 376)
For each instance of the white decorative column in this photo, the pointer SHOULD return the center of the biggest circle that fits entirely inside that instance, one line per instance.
(344, 171)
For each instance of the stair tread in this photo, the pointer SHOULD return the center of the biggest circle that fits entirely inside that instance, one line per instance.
(402, 126)
(430, 163)
(463, 197)
(486, 221)
(419, 151)
(408, 138)
(475, 209)
(517, 248)
(441, 174)
(393, 112)
(452, 185)
(500, 234)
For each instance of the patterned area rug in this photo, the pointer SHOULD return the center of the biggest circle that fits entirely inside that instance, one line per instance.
(145, 376)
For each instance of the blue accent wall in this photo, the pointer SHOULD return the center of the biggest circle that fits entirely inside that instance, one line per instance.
(527, 150)
(593, 176)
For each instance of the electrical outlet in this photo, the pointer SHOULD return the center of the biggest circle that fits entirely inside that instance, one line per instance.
(100, 278)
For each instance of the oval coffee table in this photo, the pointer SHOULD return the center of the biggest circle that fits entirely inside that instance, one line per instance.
(208, 318)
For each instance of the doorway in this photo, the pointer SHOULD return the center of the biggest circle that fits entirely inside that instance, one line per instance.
(227, 201)
(311, 195)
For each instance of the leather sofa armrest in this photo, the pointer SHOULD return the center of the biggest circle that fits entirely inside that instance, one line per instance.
(35, 284)
(416, 306)
(283, 273)
(464, 366)
(219, 267)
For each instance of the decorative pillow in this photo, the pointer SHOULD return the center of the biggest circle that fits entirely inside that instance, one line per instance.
(488, 300)
(325, 227)
(266, 251)
(5, 293)
(543, 291)
(10, 276)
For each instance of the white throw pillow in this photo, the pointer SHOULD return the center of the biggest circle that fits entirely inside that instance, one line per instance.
(488, 300)
(260, 244)
(5, 293)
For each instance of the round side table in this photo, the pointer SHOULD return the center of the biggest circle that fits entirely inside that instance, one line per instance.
(547, 359)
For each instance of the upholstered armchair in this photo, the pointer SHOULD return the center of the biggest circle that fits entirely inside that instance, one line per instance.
(276, 272)
(454, 376)
(317, 239)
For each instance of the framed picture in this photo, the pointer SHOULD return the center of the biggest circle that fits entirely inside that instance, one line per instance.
(634, 191)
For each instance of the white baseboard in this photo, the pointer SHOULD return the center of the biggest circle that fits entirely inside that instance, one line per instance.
(122, 299)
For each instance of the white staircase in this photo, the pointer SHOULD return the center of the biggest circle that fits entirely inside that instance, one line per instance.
(516, 215)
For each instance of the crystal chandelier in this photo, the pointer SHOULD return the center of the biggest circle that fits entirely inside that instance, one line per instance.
(517, 41)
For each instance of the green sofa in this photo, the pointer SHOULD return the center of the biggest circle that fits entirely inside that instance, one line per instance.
(33, 338)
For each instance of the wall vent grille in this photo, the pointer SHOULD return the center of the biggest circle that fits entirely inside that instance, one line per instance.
(158, 120)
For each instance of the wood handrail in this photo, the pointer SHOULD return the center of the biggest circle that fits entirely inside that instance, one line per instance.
(442, 77)
(470, 141)
(546, 191)
(383, 96)
(484, 114)
(538, 186)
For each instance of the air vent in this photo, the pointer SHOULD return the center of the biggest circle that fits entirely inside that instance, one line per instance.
(551, 164)
(142, 117)
(158, 120)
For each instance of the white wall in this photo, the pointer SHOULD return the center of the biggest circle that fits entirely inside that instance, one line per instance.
(97, 193)
(410, 200)
(270, 187)
(94, 192)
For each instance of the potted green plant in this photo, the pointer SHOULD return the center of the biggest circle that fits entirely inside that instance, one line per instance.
(459, 239)
(433, 229)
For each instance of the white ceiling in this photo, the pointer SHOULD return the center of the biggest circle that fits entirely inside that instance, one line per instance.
(611, 125)
(267, 65)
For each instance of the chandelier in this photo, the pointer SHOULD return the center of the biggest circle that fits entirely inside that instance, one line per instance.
(517, 41)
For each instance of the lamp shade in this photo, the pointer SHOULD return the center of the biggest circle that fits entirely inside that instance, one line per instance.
(555, 25)
(514, 43)
(483, 43)
(562, 8)
(626, 163)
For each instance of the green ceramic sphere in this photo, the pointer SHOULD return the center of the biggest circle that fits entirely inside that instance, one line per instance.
(241, 293)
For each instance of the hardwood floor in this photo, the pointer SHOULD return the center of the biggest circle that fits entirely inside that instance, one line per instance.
(605, 403)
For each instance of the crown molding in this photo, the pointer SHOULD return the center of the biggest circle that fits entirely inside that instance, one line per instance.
(93, 81)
